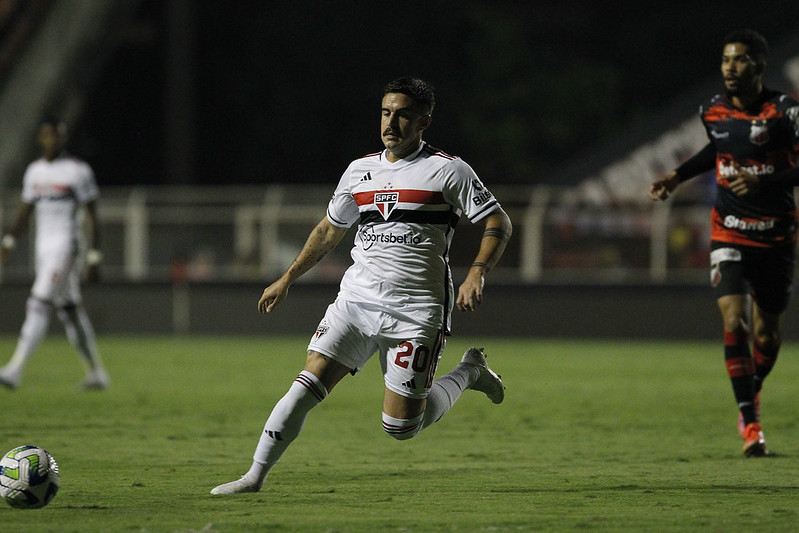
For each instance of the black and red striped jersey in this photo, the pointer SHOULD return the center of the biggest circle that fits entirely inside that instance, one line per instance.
(763, 140)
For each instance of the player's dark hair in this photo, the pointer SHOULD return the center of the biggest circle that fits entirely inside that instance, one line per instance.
(419, 90)
(756, 43)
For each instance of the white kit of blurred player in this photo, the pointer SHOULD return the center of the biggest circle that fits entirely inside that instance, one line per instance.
(56, 187)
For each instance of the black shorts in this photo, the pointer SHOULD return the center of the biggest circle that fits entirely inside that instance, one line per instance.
(765, 273)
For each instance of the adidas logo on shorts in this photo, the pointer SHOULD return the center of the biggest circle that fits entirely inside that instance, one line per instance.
(411, 384)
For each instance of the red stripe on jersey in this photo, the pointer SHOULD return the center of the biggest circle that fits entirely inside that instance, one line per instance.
(411, 196)
(723, 112)
(432, 150)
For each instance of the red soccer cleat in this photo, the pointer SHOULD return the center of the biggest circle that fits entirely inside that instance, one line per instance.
(754, 442)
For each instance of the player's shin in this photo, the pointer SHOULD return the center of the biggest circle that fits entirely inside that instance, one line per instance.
(741, 370)
(765, 358)
(285, 423)
(445, 391)
(81, 334)
(34, 329)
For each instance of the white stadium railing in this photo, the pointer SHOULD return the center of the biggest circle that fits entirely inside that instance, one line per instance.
(252, 233)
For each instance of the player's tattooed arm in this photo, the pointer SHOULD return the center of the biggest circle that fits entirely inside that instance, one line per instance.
(322, 239)
(495, 237)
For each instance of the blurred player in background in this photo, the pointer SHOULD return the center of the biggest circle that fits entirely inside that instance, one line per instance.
(56, 186)
(754, 140)
(397, 297)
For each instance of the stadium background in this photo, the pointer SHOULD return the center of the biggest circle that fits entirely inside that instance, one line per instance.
(177, 101)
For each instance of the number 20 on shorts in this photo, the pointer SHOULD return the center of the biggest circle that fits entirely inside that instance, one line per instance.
(417, 358)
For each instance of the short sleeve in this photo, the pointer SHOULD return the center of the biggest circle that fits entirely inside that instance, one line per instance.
(468, 193)
(86, 189)
(342, 210)
(28, 195)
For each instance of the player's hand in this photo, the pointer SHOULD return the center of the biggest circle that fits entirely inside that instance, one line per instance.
(744, 182)
(661, 189)
(470, 293)
(272, 296)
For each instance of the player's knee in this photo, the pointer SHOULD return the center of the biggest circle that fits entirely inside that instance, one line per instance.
(402, 428)
(736, 322)
(767, 331)
(768, 338)
(68, 307)
(38, 305)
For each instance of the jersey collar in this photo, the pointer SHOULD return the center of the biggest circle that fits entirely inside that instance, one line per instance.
(407, 159)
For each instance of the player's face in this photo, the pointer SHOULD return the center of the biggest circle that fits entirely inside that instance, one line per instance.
(50, 140)
(401, 125)
(740, 70)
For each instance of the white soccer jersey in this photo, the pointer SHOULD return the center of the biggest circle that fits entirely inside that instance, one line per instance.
(407, 213)
(58, 188)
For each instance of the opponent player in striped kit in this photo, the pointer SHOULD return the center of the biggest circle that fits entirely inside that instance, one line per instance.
(397, 297)
(754, 141)
(56, 186)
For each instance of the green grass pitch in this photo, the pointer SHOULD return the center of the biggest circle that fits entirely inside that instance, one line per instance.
(593, 435)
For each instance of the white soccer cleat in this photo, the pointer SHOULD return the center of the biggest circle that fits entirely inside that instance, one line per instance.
(96, 380)
(236, 487)
(9, 379)
(488, 382)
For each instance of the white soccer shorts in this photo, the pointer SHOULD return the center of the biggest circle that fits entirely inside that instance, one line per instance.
(57, 277)
(409, 346)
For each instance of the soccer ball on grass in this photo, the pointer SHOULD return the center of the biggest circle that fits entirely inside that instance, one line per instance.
(29, 477)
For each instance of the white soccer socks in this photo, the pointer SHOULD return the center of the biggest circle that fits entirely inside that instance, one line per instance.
(402, 428)
(288, 416)
(81, 335)
(282, 427)
(445, 391)
(34, 329)
(472, 372)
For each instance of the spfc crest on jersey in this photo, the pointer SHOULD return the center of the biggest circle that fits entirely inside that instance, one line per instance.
(386, 202)
(758, 133)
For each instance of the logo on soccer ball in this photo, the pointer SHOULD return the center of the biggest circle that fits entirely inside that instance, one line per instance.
(386, 202)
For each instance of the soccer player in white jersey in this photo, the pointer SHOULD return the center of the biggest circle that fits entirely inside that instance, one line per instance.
(56, 186)
(397, 297)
